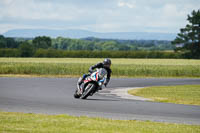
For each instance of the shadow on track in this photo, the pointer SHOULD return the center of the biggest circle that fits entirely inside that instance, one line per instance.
(94, 99)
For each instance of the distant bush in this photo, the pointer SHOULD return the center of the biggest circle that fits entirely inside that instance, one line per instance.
(53, 53)
(9, 52)
(26, 49)
(104, 54)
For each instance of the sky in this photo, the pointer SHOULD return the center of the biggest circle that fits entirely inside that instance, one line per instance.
(166, 16)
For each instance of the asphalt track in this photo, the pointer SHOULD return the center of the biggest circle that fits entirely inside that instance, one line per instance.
(55, 96)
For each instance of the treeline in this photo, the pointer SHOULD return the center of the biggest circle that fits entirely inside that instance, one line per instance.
(87, 44)
(53, 53)
(43, 46)
(110, 45)
(137, 44)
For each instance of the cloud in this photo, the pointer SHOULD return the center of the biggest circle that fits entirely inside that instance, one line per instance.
(126, 4)
(97, 15)
(31, 10)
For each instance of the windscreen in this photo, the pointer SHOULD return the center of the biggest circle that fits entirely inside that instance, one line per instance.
(102, 73)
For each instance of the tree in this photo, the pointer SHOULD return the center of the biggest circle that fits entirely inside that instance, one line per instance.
(110, 45)
(2, 42)
(11, 43)
(26, 49)
(189, 37)
(8, 42)
(42, 42)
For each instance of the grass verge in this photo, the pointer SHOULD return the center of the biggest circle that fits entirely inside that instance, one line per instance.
(180, 94)
(34, 123)
(121, 67)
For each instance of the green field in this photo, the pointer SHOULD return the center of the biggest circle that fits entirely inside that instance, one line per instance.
(120, 67)
(34, 123)
(180, 94)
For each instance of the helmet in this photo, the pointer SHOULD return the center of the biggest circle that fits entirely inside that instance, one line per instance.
(107, 61)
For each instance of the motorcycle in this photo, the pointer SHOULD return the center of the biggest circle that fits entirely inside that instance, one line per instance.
(91, 84)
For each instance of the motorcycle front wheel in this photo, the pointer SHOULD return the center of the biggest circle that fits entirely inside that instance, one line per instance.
(76, 95)
(88, 89)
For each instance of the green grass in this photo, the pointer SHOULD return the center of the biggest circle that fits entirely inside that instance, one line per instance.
(120, 67)
(34, 123)
(181, 94)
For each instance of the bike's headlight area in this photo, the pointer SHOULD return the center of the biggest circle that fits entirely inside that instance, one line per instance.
(100, 83)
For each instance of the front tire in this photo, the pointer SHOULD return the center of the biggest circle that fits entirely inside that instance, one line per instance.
(89, 88)
(76, 95)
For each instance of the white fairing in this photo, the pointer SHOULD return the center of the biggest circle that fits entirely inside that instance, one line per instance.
(102, 73)
(99, 76)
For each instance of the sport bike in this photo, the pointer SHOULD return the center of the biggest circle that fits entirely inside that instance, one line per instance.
(91, 84)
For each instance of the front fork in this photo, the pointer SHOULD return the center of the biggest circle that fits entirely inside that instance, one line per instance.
(79, 89)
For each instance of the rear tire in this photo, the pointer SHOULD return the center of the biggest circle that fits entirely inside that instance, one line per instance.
(88, 90)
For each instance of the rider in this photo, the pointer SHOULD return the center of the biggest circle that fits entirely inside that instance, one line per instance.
(105, 64)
